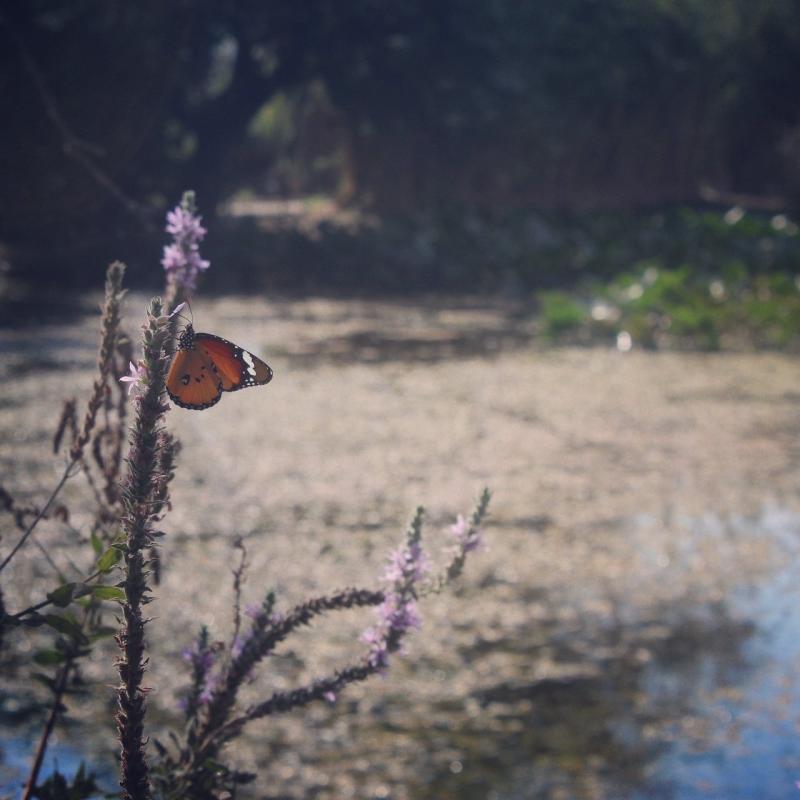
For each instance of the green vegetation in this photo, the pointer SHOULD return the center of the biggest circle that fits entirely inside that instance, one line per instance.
(561, 314)
(678, 308)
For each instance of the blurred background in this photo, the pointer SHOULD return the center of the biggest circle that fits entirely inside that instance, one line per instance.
(549, 247)
(400, 147)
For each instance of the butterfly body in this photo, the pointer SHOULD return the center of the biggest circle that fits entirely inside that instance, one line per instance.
(206, 365)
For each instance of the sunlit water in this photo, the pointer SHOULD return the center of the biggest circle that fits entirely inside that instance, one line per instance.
(750, 708)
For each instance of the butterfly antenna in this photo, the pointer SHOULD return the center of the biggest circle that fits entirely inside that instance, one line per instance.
(178, 314)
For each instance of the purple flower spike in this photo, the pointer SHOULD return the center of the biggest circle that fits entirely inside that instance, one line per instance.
(407, 563)
(212, 681)
(240, 642)
(330, 697)
(181, 259)
(200, 656)
(182, 223)
(467, 538)
(398, 613)
(378, 656)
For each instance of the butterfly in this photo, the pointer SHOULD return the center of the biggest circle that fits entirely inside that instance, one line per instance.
(205, 366)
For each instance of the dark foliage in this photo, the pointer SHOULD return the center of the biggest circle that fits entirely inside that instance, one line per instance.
(110, 107)
(56, 787)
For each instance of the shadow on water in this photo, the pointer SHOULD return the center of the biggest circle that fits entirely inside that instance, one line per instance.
(611, 727)
(377, 346)
(427, 330)
(601, 728)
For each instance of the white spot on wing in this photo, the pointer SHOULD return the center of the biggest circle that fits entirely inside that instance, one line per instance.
(248, 359)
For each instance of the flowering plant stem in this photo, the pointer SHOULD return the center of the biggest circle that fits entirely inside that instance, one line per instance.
(139, 496)
(213, 719)
(108, 342)
(68, 473)
(59, 687)
(216, 730)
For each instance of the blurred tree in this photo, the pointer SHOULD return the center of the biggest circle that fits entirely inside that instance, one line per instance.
(111, 108)
(84, 87)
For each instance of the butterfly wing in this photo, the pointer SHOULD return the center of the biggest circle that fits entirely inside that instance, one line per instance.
(193, 380)
(236, 367)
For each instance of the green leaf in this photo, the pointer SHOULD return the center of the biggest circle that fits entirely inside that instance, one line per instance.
(82, 590)
(215, 766)
(109, 593)
(97, 544)
(46, 658)
(62, 596)
(45, 680)
(103, 632)
(66, 625)
(109, 559)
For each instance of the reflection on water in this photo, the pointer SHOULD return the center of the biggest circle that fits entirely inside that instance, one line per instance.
(614, 729)
(743, 741)
(15, 763)
(697, 700)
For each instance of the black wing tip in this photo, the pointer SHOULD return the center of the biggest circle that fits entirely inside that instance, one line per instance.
(249, 383)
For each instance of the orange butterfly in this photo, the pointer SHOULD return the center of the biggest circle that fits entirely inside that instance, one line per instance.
(205, 366)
